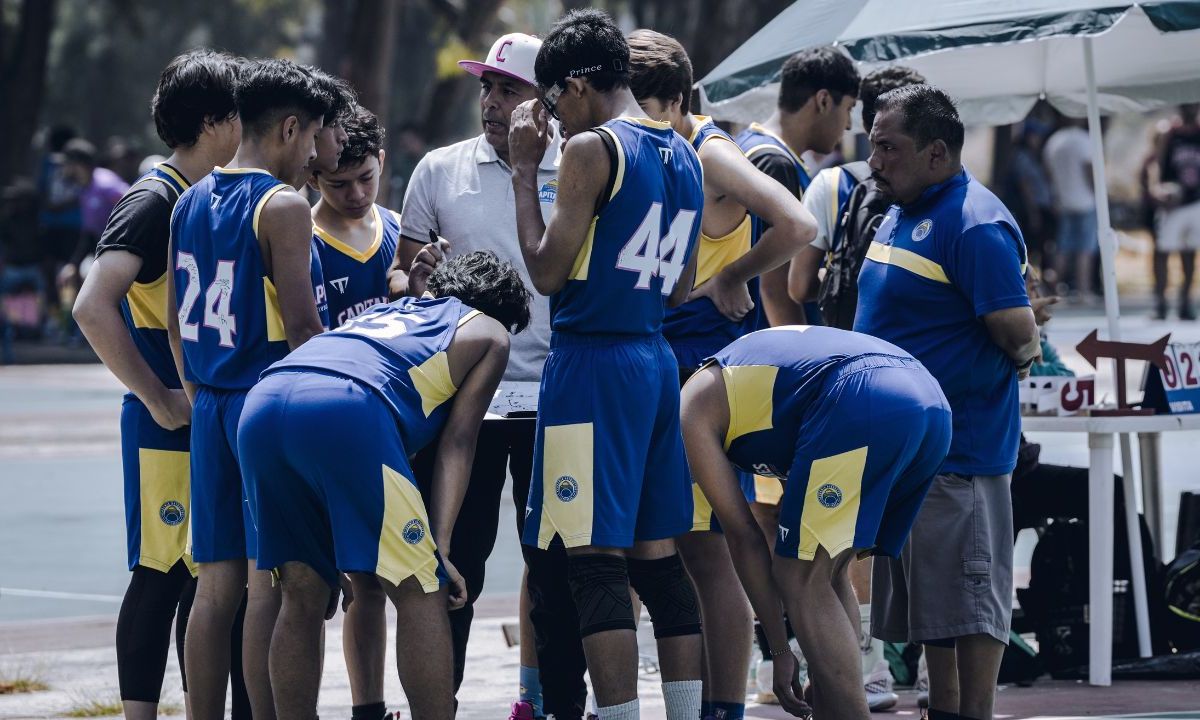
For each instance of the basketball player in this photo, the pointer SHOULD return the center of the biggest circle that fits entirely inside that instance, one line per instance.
(239, 297)
(355, 241)
(722, 308)
(609, 475)
(120, 310)
(817, 91)
(325, 439)
(856, 429)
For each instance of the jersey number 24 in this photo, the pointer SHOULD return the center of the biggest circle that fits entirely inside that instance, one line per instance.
(646, 254)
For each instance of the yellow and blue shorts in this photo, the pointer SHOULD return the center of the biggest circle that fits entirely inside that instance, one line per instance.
(221, 525)
(865, 457)
(155, 462)
(608, 461)
(329, 481)
(755, 488)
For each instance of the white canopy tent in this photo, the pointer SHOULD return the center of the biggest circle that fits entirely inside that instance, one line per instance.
(997, 59)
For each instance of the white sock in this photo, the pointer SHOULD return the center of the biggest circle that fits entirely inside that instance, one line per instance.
(625, 711)
(871, 647)
(683, 699)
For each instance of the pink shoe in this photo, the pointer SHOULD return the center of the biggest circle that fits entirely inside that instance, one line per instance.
(521, 710)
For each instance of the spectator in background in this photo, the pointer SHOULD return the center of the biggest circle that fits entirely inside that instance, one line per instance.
(1179, 194)
(58, 220)
(1068, 157)
(101, 188)
(1027, 194)
(1149, 207)
(119, 156)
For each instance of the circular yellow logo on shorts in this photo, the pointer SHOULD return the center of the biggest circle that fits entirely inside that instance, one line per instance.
(829, 495)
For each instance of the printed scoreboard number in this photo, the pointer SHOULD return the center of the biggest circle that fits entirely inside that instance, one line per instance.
(1175, 387)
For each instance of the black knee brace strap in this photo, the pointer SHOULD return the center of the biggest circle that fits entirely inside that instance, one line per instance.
(600, 586)
(667, 592)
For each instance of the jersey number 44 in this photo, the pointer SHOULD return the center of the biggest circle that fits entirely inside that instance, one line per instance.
(648, 255)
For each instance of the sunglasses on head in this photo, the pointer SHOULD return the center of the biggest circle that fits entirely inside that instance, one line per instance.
(550, 100)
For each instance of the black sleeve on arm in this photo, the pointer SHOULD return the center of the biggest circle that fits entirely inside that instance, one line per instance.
(140, 223)
(781, 168)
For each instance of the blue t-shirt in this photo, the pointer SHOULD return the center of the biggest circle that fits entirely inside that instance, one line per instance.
(934, 269)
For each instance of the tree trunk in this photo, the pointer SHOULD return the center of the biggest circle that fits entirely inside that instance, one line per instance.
(367, 62)
(24, 72)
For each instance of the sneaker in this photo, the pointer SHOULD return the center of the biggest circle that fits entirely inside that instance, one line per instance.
(922, 684)
(521, 710)
(878, 686)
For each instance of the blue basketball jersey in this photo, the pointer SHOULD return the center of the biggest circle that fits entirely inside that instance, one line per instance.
(144, 307)
(228, 311)
(696, 329)
(772, 377)
(756, 139)
(398, 350)
(640, 240)
(356, 281)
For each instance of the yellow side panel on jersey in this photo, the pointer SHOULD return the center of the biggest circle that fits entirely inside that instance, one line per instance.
(164, 489)
(620, 176)
(567, 487)
(406, 547)
(275, 329)
(432, 380)
(702, 512)
(579, 271)
(767, 490)
(717, 253)
(749, 390)
(907, 259)
(831, 503)
(148, 304)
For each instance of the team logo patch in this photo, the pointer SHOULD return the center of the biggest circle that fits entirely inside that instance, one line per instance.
(566, 488)
(548, 192)
(414, 531)
(829, 495)
(921, 231)
(172, 512)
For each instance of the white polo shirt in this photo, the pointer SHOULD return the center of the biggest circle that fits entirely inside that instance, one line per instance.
(464, 193)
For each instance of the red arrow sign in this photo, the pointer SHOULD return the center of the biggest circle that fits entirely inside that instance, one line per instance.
(1092, 348)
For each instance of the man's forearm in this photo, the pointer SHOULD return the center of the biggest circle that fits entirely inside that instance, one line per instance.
(449, 488)
(105, 329)
(772, 250)
(531, 228)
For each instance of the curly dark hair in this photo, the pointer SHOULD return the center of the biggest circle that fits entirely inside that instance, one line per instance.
(485, 282)
(364, 138)
(584, 43)
(879, 82)
(345, 100)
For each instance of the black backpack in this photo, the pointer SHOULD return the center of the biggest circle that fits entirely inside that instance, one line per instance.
(862, 215)
(1055, 603)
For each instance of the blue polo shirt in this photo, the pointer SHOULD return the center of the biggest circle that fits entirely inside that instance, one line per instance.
(933, 270)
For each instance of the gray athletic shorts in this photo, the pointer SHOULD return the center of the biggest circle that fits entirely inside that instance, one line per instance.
(955, 574)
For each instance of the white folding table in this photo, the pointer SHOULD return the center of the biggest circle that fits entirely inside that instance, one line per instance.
(1100, 432)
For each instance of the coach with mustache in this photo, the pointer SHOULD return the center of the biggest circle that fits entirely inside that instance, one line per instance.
(943, 279)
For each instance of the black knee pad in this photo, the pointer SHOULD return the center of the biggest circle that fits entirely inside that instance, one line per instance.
(600, 586)
(668, 595)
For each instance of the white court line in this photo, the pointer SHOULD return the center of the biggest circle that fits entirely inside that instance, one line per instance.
(58, 595)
